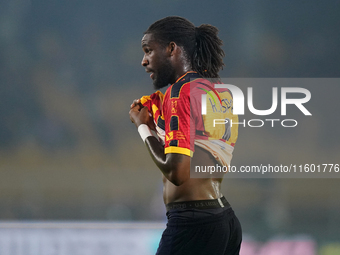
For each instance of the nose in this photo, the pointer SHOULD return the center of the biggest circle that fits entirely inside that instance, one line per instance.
(145, 62)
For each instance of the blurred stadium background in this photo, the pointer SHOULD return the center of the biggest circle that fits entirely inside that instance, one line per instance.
(74, 175)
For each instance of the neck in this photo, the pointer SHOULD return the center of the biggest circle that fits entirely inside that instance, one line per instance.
(182, 69)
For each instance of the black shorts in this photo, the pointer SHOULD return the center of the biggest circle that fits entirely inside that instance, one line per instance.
(201, 232)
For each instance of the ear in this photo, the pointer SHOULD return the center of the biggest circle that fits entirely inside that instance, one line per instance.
(172, 48)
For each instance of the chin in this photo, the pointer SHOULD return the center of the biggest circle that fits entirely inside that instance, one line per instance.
(158, 85)
(164, 78)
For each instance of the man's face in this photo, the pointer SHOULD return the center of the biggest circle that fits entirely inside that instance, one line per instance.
(156, 61)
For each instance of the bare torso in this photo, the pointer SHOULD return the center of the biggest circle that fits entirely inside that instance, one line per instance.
(194, 189)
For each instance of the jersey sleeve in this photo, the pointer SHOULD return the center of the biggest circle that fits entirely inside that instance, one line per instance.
(177, 119)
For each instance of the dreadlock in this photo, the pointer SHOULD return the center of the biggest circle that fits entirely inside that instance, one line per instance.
(201, 44)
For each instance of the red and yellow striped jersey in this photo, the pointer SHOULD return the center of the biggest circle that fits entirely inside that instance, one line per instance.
(179, 114)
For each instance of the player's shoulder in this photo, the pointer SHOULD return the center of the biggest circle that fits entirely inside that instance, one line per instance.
(182, 86)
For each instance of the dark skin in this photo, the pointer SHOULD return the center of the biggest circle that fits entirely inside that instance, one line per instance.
(178, 186)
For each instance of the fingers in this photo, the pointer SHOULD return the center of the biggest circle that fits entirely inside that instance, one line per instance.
(135, 108)
(135, 102)
(133, 112)
(139, 115)
(143, 109)
(130, 114)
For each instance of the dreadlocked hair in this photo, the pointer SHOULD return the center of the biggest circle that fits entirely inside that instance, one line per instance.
(202, 46)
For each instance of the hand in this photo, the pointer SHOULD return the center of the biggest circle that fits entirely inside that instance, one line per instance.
(137, 105)
(139, 115)
(136, 102)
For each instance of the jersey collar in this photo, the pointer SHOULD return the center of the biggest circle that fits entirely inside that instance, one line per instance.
(189, 73)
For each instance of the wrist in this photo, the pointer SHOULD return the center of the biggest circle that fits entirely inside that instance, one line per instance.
(144, 131)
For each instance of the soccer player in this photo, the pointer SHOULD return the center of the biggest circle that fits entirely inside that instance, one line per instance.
(200, 220)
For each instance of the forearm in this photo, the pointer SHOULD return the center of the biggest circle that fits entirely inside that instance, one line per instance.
(156, 150)
(175, 167)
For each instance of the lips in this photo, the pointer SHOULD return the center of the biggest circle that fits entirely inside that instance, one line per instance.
(152, 74)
